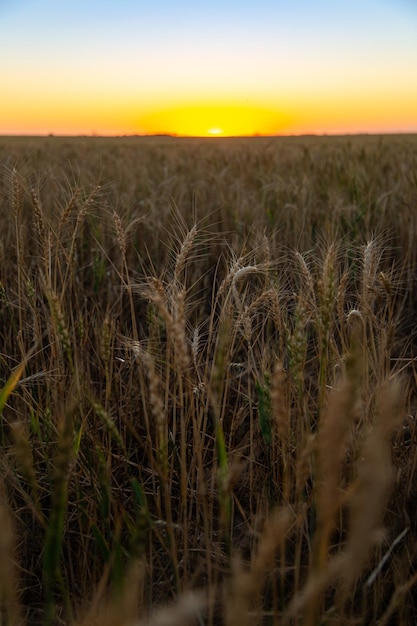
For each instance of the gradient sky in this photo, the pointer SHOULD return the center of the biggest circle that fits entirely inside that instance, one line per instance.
(189, 67)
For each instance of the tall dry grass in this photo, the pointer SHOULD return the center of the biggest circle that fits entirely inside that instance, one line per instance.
(208, 381)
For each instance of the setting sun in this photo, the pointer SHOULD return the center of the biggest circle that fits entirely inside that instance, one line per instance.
(194, 120)
(215, 131)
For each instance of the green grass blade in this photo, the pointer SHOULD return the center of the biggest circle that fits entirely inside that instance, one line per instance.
(11, 384)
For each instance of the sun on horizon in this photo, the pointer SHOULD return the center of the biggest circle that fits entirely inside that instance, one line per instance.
(215, 131)
(218, 117)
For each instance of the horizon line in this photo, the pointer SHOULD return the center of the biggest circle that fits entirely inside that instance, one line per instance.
(213, 137)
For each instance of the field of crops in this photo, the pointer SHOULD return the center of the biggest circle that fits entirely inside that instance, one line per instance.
(208, 356)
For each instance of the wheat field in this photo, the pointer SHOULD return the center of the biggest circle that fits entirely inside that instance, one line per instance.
(208, 381)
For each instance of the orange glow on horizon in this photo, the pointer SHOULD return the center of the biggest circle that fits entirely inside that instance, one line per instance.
(292, 114)
(213, 121)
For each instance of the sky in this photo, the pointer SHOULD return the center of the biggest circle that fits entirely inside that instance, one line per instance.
(199, 68)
